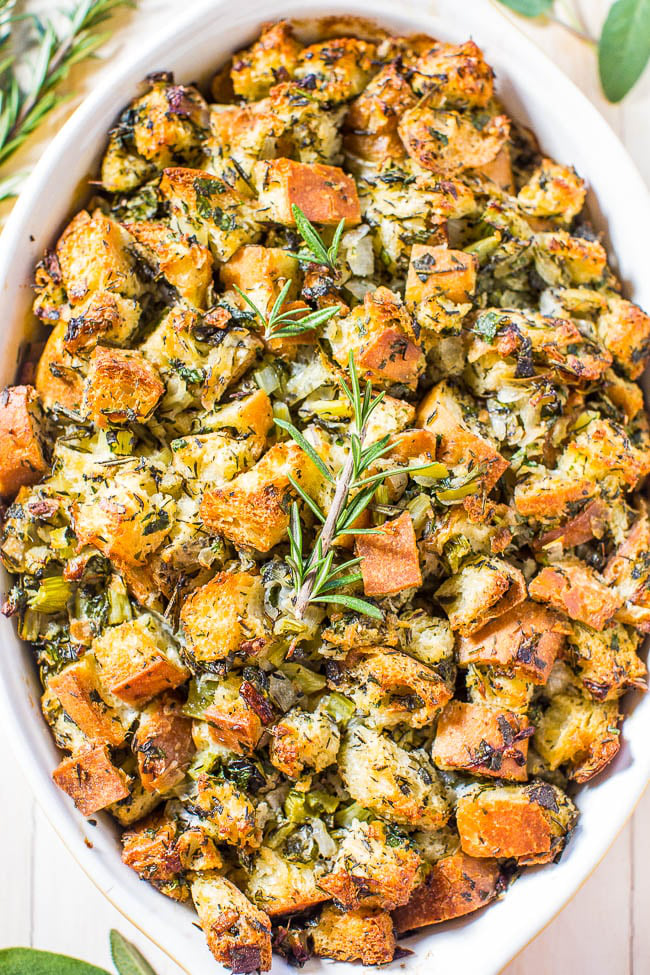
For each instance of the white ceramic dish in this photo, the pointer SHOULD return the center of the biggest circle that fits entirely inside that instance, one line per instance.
(570, 129)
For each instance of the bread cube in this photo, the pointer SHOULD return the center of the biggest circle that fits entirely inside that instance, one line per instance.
(364, 935)
(253, 509)
(390, 561)
(447, 142)
(307, 130)
(590, 523)
(325, 194)
(526, 640)
(549, 496)
(455, 886)
(163, 744)
(579, 734)
(500, 690)
(179, 258)
(453, 74)
(529, 823)
(227, 814)
(499, 171)
(477, 739)
(79, 689)
(59, 374)
(280, 886)
(261, 273)
(372, 868)
(136, 662)
(204, 206)
(604, 452)
(238, 934)
(121, 387)
(482, 591)
(95, 254)
(572, 587)
(304, 739)
(399, 785)
(91, 780)
(336, 70)
(372, 117)
(580, 261)
(270, 59)
(232, 721)
(606, 661)
(153, 849)
(440, 272)
(105, 317)
(624, 329)
(168, 122)
(554, 191)
(22, 439)
(225, 617)
(628, 572)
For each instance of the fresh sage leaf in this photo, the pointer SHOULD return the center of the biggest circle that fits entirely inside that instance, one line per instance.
(126, 957)
(28, 961)
(529, 8)
(624, 47)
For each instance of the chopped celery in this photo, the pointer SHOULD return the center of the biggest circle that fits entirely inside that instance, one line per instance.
(295, 806)
(420, 510)
(120, 442)
(200, 696)
(119, 607)
(345, 817)
(307, 680)
(52, 595)
(204, 761)
(338, 707)
(455, 551)
(30, 626)
(267, 379)
(318, 802)
(330, 407)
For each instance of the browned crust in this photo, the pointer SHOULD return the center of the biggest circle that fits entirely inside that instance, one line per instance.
(78, 691)
(363, 935)
(574, 589)
(122, 386)
(91, 780)
(163, 744)
(22, 459)
(589, 524)
(482, 741)
(495, 826)
(440, 272)
(239, 730)
(325, 194)
(390, 560)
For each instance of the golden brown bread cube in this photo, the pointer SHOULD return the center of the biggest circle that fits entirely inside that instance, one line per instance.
(527, 639)
(483, 590)
(238, 934)
(79, 689)
(121, 387)
(527, 822)
(572, 587)
(153, 850)
(261, 272)
(169, 121)
(606, 660)
(304, 739)
(229, 813)
(389, 559)
(95, 254)
(22, 451)
(582, 260)
(59, 374)
(499, 171)
(178, 258)
(163, 744)
(233, 722)
(628, 572)
(134, 661)
(105, 317)
(436, 271)
(453, 74)
(482, 741)
(91, 780)
(279, 885)
(455, 886)
(371, 120)
(447, 143)
(553, 191)
(624, 329)
(325, 194)
(272, 58)
(337, 69)
(589, 523)
(364, 935)
(579, 734)
(225, 616)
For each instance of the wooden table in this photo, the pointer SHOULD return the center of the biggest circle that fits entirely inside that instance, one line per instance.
(46, 901)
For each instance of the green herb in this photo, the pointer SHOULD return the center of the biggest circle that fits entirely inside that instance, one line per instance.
(487, 325)
(283, 324)
(28, 961)
(624, 47)
(317, 251)
(126, 957)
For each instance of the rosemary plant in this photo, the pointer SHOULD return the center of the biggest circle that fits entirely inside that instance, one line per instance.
(283, 324)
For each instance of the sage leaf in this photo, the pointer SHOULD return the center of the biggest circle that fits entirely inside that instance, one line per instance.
(529, 8)
(28, 961)
(126, 957)
(624, 47)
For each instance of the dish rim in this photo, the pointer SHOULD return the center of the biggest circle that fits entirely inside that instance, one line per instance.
(32, 744)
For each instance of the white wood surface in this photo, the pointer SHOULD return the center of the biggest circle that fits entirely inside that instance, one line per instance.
(45, 899)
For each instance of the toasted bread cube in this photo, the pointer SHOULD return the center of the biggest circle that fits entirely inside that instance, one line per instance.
(225, 616)
(607, 661)
(163, 744)
(529, 823)
(178, 258)
(168, 122)
(232, 722)
(261, 273)
(51, 299)
(204, 206)
(136, 662)
(441, 273)
(455, 886)
(390, 561)
(91, 780)
(381, 335)
(628, 572)
(280, 886)
(575, 589)
(553, 191)
(229, 814)
(499, 171)
(578, 733)
(122, 169)
(340, 68)
(310, 132)
(304, 739)
(377, 110)
(106, 317)
(372, 869)
(626, 395)
(79, 689)
(401, 786)
(501, 690)
(624, 329)
(453, 74)
(482, 591)
(526, 640)
(238, 934)
(549, 496)
(325, 194)
(580, 261)
(364, 935)
(604, 452)
(477, 739)
(59, 375)
(253, 510)
(22, 441)
(447, 143)
(121, 387)
(153, 849)
(94, 254)
(270, 59)
(392, 688)
(590, 523)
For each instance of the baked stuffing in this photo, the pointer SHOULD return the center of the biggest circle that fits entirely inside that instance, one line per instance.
(324, 511)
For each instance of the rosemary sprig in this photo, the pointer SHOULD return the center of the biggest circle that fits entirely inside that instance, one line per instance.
(315, 577)
(282, 324)
(317, 251)
(24, 106)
